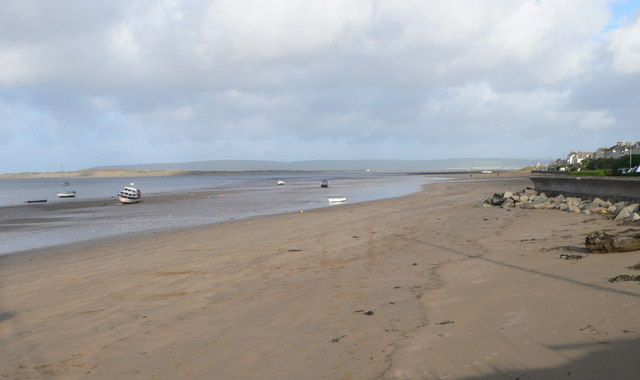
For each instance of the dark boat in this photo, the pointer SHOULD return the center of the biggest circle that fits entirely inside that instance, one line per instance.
(324, 183)
(36, 201)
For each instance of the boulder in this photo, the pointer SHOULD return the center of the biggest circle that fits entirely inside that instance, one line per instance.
(621, 205)
(542, 198)
(544, 206)
(574, 201)
(529, 192)
(508, 202)
(575, 209)
(623, 214)
(524, 198)
(600, 202)
(563, 207)
(603, 242)
(591, 206)
(507, 194)
(560, 199)
(632, 208)
(635, 216)
(495, 200)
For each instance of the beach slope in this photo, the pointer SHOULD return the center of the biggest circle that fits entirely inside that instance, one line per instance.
(426, 286)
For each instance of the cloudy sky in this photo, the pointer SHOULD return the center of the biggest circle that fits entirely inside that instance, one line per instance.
(93, 83)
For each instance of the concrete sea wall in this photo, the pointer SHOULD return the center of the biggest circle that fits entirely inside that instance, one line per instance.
(624, 189)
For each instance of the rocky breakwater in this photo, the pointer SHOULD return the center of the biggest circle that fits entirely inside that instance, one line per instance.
(624, 212)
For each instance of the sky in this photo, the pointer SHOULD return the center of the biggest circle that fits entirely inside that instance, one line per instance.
(92, 83)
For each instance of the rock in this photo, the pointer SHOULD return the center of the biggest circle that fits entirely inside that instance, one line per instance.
(495, 200)
(529, 192)
(592, 205)
(539, 199)
(575, 209)
(574, 201)
(600, 202)
(544, 206)
(635, 216)
(632, 208)
(613, 210)
(586, 212)
(621, 205)
(507, 194)
(509, 202)
(603, 242)
(623, 214)
(560, 198)
(524, 198)
(563, 207)
(627, 212)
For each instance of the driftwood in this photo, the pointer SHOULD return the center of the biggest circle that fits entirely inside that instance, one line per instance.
(603, 242)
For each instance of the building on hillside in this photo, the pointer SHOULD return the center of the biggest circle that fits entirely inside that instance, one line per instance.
(618, 150)
(578, 156)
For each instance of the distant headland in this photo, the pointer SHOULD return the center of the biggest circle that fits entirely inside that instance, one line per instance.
(96, 173)
(201, 167)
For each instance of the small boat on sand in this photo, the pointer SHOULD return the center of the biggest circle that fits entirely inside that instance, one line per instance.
(324, 183)
(66, 194)
(130, 194)
(337, 199)
(280, 182)
(36, 201)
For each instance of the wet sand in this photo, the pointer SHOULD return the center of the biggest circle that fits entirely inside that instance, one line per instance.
(426, 286)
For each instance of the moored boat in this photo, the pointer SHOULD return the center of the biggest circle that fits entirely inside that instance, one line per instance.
(337, 199)
(36, 201)
(67, 194)
(130, 194)
(324, 183)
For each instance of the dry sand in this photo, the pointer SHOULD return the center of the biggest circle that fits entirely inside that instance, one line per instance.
(426, 286)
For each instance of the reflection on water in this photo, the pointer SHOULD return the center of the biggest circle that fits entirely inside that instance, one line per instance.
(231, 197)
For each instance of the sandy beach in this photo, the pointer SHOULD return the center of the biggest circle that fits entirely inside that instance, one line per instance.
(427, 286)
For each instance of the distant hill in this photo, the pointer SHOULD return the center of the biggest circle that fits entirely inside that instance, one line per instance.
(452, 164)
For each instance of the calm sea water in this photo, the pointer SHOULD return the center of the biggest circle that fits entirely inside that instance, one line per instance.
(232, 196)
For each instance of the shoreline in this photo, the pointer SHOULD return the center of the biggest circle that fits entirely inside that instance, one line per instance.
(422, 286)
(31, 226)
(33, 216)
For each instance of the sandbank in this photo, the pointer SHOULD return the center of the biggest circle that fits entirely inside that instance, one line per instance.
(427, 286)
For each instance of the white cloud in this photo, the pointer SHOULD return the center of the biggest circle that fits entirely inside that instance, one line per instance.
(281, 29)
(624, 45)
(370, 73)
(596, 120)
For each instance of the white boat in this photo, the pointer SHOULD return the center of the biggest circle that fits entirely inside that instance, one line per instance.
(130, 194)
(66, 194)
(337, 199)
(280, 182)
